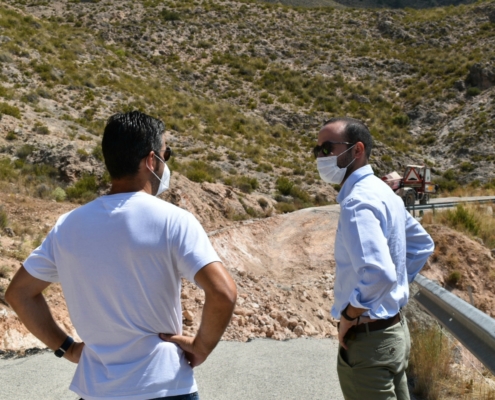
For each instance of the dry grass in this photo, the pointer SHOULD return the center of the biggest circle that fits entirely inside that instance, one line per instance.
(435, 374)
(473, 220)
(430, 360)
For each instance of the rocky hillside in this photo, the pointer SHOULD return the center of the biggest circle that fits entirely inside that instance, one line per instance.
(243, 88)
(373, 3)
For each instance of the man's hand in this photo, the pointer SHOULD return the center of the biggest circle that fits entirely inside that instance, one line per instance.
(73, 354)
(344, 326)
(194, 354)
(220, 296)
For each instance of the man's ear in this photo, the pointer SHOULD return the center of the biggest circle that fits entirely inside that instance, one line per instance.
(360, 151)
(149, 160)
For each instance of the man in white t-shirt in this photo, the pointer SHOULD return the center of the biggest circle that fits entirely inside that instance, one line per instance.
(120, 260)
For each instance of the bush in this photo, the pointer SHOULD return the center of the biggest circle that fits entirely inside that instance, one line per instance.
(430, 360)
(25, 151)
(199, 171)
(263, 203)
(11, 136)
(41, 129)
(59, 194)
(401, 120)
(284, 185)
(4, 221)
(300, 194)
(467, 167)
(98, 152)
(10, 110)
(463, 219)
(285, 207)
(473, 91)
(84, 189)
(454, 278)
(170, 15)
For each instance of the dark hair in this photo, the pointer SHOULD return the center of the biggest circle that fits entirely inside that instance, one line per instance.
(127, 139)
(355, 131)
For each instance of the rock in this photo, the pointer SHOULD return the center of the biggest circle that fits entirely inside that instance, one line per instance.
(361, 99)
(243, 311)
(299, 330)
(491, 16)
(188, 315)
(460, 85)
(9, 232)
(482, 75)
(292, 323)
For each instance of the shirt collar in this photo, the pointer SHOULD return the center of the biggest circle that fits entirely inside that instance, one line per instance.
(353, 178)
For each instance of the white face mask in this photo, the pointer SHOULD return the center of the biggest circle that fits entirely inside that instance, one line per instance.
(329, 171)
(165, 180)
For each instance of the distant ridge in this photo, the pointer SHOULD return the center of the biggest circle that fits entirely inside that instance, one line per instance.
(418, 4)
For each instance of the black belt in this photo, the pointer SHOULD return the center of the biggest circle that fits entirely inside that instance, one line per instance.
(377, 325)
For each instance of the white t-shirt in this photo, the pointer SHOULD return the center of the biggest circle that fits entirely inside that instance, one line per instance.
(120, 259)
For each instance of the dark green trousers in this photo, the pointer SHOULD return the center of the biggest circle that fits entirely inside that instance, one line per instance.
(374, 366)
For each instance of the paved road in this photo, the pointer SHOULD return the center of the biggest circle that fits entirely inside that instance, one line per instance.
(261, 369)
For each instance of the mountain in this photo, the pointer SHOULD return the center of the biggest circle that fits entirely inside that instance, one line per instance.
(418, 4)
(243, 88)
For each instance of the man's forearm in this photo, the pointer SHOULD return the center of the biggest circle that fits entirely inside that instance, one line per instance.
(354, 312)
(36, 316)
(216, 316)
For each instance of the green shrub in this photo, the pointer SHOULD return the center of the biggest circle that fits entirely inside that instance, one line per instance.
(170, 15)
(25, 151)
(463, 219)
(10, 110)
(58, 194)
(84, 189)
(284, 185)
(98, 152)
(245, 183)
(41, 129)
(199, 171)
(401, 120)
(467, 167)
(263, 203)
(11, 136)
(4, 220)
(473, 91)
(284, 207)
(300, 194)
(454, 278)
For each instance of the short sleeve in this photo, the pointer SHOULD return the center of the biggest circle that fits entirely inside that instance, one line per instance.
(41, 262)
(192, 249)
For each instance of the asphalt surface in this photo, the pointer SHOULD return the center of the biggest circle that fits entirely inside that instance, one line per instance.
(299, 369)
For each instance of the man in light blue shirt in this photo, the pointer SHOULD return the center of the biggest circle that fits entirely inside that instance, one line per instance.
(379, 249)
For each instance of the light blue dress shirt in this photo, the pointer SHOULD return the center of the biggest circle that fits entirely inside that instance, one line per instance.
(379, 247)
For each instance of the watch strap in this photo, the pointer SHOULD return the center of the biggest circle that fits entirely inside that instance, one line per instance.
(346, 316)
(64, 347)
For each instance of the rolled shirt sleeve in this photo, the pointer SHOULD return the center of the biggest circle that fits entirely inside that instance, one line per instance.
(419, 246)
(370, 257)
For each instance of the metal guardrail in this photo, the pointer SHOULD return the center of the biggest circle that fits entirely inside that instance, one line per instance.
(472, 327)
(448, 204)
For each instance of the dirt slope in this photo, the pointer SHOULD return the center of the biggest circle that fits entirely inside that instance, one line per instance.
(283, 266)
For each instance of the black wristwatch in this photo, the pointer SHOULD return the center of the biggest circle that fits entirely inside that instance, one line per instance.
(64, 347)
(344, 314)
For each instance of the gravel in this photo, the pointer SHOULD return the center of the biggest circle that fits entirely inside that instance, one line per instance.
(260, 369)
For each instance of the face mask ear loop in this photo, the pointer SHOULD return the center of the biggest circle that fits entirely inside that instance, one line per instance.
(151, 170)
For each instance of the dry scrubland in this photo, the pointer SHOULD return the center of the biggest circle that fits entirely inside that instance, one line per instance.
(243, 88)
